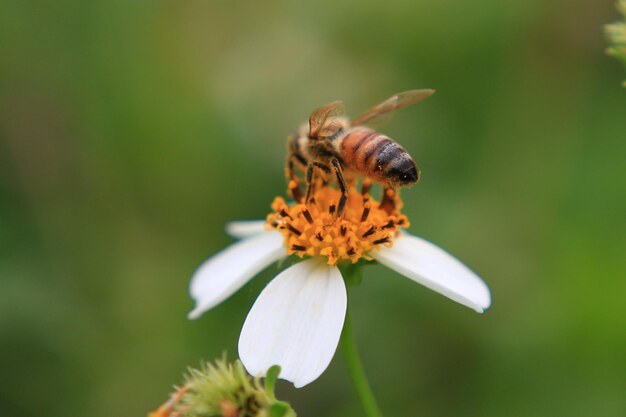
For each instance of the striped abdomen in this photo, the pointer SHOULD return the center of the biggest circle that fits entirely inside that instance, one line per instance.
(378, 157)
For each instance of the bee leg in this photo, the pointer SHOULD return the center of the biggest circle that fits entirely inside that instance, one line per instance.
(310, 186)
(342, 186)
(388, 202)
(294, 188)
(309, 177)
(321, 166)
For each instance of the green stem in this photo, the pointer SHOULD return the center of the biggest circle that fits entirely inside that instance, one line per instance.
(355, 369)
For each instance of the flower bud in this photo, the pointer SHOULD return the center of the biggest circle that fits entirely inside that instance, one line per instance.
(226, 390)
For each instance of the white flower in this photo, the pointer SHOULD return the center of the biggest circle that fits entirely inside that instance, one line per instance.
(297, 319)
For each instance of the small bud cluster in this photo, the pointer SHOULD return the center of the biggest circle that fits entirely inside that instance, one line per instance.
(225, 390)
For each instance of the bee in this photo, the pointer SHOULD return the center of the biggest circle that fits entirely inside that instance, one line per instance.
(330, 143)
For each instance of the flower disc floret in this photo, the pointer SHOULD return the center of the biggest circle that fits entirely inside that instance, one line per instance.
(315, 229)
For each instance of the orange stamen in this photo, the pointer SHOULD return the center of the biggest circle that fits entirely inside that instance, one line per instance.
(315, 230)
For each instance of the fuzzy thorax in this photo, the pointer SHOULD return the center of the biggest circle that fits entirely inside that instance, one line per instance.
(315, 229)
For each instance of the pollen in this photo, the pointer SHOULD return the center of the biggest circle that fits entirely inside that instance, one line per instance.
(315, 229)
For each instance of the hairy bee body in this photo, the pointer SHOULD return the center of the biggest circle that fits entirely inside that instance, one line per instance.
(331, 143)
(378, 157)
(360, 150)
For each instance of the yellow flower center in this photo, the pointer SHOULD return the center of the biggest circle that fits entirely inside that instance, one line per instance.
(314, 229)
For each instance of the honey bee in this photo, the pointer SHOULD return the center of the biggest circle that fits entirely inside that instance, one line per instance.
(330, 143)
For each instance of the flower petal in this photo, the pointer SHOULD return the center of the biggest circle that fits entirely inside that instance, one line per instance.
(436, 269)
(296, 323)
(246, 228)
(227, 271)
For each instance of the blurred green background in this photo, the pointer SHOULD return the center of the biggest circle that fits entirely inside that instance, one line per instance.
(132, 131)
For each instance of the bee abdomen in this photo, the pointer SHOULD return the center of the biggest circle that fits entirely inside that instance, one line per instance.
(359, 145)
(378, 157)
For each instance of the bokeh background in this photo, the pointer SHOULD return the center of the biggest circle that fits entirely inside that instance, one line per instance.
(132, 131)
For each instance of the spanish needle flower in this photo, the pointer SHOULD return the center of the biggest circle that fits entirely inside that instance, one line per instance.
(296, 321)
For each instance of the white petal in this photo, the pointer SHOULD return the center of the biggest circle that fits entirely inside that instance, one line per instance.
(436, 269)
(246, 228)
(227, 271)
(296, 323)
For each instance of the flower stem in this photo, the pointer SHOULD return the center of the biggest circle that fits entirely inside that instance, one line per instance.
(355, 369)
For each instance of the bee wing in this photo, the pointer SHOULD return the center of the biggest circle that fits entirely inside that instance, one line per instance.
(392, 104)
(319, 118)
